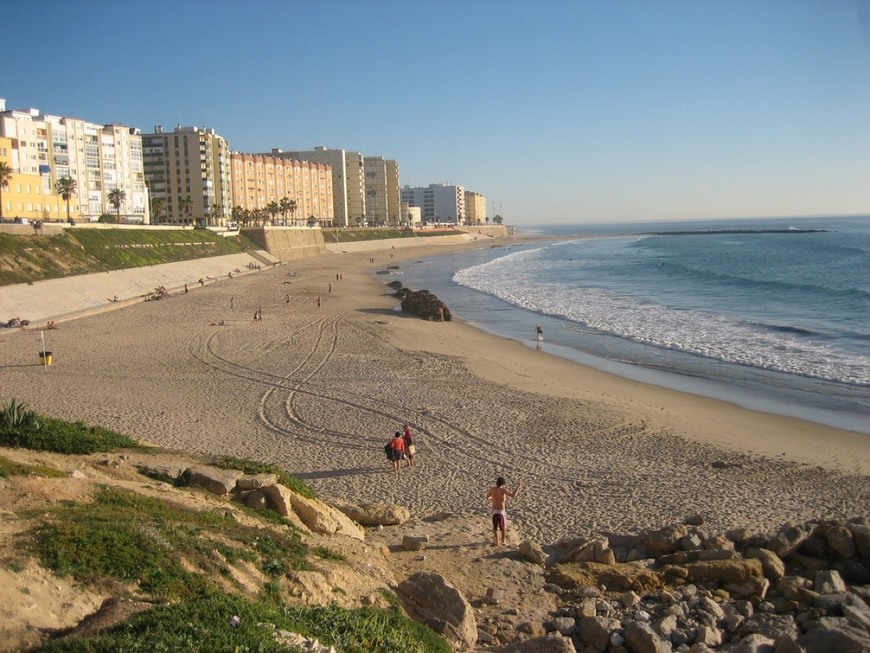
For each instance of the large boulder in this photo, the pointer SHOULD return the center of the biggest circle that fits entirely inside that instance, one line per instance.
(214, 479)
(429, 598)
(374, 514)
(423, 303)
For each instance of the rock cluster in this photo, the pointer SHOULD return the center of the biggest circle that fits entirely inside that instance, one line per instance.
(805, 589)
(426, 305)
(263, 492)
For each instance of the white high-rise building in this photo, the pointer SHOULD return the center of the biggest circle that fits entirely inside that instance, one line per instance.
(440, 203)
(99, 158)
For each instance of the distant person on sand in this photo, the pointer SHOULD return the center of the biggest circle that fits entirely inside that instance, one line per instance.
(410, 449)
(497, 496)
(397, 449)
(539, 332)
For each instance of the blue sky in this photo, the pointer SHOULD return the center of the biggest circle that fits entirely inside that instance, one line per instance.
(557, 111)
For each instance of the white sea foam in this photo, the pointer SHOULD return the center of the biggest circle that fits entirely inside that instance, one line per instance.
(527, 279)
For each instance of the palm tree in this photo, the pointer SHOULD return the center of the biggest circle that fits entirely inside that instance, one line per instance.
(116, 199)
(66, 188)
(186, 205)
(292, 205)
(157, 206)
(215, 214)
(498, 219)
(5, 178)
(284, 203)
(273, 210)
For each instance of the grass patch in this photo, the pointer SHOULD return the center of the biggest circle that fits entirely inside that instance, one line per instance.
(327, 554)
(253, 467)
(25, 259)
(153, 545)
(10, 468)
(20, 427)
(361, 235)
(203, 624)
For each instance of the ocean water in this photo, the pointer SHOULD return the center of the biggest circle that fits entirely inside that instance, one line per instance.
(769, 314)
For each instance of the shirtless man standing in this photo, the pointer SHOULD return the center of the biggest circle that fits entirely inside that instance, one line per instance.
(497, 496)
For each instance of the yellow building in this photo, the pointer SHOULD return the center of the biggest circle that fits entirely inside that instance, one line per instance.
(475, 208)
(259, 180)
(28, 195)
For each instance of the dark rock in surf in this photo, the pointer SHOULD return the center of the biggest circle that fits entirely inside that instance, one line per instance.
(426, 305)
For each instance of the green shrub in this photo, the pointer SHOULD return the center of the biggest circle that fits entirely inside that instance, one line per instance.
(17, 423)
(20, 427)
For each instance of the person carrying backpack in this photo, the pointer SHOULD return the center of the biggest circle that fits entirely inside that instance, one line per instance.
(397, 447)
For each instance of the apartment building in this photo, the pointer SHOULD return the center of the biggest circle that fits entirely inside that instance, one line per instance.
(189, 171)
(98, 158)
(383, 198)
(475, 208)
(348, 180)
(26, 195)
(439, 203)
(303, 190)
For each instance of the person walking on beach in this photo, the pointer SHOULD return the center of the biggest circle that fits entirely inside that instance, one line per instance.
(397, 449)
(497, 497)
(410, 449)
(539, 332)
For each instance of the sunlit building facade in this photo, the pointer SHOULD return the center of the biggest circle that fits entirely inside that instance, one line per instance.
(439, 203)
(475, 208)
(188, 170)
(98, 158)
(348, 180)
(301, 190)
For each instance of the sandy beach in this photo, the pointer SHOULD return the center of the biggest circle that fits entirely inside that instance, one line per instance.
(318, 390)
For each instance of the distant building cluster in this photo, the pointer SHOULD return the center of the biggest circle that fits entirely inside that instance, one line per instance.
(55, 168)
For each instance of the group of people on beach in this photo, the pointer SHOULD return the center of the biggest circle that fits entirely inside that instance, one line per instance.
(401, 447)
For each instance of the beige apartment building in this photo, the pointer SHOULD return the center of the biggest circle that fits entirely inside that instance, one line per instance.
(348, 180)
(475, 208)
(302, 190)
(383, 198)
(188, 171)
(98, 158)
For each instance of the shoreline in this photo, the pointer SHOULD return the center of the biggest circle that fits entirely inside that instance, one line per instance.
(318, 390)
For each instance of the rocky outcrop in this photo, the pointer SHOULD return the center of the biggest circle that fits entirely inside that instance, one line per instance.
(423, 303)
(262, 491)
(431, 599)
(788, 592)
(374, 514)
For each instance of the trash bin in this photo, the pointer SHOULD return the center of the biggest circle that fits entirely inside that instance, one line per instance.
(45, 358)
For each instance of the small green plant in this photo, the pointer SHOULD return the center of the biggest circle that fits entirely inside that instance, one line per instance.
(327, 554)
(16, 423)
